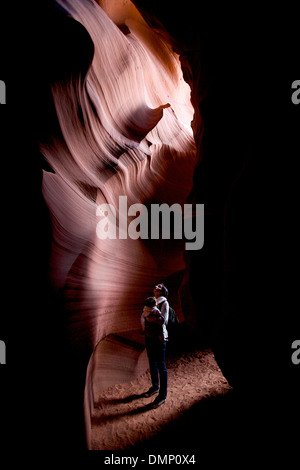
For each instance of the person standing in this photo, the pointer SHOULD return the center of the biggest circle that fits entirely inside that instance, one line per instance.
(156, 337)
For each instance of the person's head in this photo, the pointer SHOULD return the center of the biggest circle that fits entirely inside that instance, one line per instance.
(160, 289)
(150, 302)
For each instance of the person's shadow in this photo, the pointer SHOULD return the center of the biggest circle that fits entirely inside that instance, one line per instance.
(129, 399)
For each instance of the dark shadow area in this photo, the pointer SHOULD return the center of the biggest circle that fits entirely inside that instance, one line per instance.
(208, 418)
(225, 423)
(243, 281)
(119, 415)
(114, 401)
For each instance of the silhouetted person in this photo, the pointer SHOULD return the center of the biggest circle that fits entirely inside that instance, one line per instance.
(154, 320)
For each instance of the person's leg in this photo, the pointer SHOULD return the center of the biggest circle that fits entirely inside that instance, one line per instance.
(163, 373)
(153, 362)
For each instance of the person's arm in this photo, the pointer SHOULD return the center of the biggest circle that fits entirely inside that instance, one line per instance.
(156, 318)
(143, 321)
(161, 317)
(165, 311)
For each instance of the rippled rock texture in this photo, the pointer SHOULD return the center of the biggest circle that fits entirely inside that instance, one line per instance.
(125, 129)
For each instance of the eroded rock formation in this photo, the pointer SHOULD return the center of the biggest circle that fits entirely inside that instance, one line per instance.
(125, 130)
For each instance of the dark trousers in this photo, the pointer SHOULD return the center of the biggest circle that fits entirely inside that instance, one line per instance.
(156, 351)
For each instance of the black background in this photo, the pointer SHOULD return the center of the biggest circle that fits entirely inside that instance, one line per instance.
(248, 181)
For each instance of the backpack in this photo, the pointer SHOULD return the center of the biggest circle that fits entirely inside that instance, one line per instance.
(173, 319)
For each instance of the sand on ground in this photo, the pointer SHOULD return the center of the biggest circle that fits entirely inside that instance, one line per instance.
(121, 418)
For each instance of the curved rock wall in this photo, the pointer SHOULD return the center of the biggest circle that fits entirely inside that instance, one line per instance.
(125, 130)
